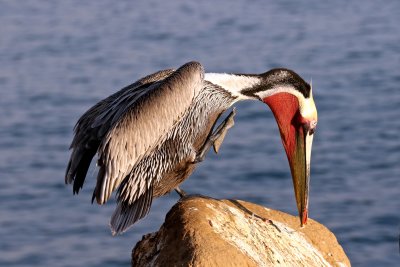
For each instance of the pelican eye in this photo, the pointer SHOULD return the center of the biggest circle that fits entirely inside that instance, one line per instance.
(310, 127)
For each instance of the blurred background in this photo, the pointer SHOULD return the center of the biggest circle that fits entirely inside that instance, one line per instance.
(58, 58)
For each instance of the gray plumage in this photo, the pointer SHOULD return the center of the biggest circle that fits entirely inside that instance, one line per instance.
(147, 137)
(150, 135)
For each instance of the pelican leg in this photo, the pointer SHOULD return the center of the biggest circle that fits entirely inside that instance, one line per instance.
(180, 192)
(217, 137)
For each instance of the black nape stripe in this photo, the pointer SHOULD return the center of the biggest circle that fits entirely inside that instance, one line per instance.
(280, 77)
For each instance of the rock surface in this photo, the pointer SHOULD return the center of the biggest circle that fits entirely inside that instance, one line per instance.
(201, 231)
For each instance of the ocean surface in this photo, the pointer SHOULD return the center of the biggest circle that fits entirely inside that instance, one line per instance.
(58, 58)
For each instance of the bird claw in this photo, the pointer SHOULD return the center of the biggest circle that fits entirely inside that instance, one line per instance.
(216, 138)
(223, 129)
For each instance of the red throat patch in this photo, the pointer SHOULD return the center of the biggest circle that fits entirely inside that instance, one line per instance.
(285, 108)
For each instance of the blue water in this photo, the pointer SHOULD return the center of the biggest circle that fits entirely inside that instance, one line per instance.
(57, 58)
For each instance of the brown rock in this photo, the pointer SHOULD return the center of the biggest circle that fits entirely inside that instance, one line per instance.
(200, 231)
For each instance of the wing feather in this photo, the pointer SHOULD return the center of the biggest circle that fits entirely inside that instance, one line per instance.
(145, 119)
(125, 215)
(88, 134)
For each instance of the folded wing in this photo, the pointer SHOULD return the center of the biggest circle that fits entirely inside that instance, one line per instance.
(125, 126)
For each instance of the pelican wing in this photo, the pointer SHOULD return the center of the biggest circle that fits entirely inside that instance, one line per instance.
(127, 124)
(130, 125)
(87, 137)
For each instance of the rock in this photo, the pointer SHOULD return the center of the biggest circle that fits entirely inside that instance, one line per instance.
(201, 231)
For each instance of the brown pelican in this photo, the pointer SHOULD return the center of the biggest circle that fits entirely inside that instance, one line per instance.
(150, 135)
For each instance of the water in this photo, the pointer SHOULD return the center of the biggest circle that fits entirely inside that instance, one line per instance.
(59, 58)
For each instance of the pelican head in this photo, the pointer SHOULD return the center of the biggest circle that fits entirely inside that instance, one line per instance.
(291, 101)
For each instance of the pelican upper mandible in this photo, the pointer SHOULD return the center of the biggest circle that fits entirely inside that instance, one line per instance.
(150, 135)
